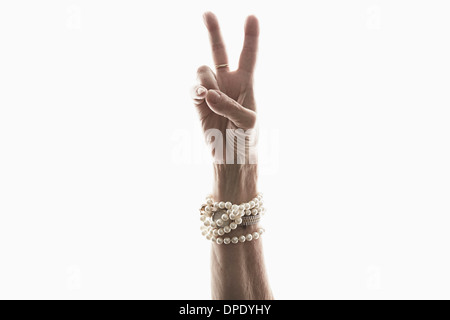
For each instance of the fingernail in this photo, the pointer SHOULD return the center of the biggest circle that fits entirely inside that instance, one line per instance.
(213, 96)
(201, 90)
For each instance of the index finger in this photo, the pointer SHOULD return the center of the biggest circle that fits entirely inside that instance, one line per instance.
(217, 45)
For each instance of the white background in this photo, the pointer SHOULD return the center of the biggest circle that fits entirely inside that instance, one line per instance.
(103, 167)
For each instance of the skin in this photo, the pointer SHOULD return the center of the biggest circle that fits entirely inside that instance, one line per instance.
(225, 100)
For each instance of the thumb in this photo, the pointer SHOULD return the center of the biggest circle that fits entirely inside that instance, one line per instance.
(223, 105)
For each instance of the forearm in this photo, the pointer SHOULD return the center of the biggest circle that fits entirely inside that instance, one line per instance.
(238, 271)
(236, 183)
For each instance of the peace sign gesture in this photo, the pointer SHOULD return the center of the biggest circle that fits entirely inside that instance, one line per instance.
(225, 99)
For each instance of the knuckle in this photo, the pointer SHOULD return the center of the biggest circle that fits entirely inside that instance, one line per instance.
(252, 121)
(203, 69)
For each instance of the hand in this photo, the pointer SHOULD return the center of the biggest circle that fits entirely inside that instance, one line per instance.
(225, 99)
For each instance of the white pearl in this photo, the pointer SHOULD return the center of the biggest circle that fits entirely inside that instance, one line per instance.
(213, 239)
(208, 208)
(227, 229)
(261, 202)
(207, 223)
(221, 204)
(234, 207)
(235, 240)
(209, 202)
(204, 232)
(228, 204)
(219, 241)
(254, 212)
(259, 210)
(216, 205)
(255, 235)
(249, 237)
(241, 208)
(248, 212)
(215, 232)
(246, 206)
(213, 224)
(242, 239)
(220, 232)
(219, 222)
(208, 236)
(252, 204)
(226, 240)
(233, 225)
(225, 217)
(238, 221)
(202, 218)
(229, 211)
(261, 231)
(232, 216)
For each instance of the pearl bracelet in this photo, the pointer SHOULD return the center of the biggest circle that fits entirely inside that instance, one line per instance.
(219, 218)
(243, 238)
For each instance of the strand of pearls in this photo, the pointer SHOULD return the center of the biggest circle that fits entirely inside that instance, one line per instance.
(220, 218)
(234, 240)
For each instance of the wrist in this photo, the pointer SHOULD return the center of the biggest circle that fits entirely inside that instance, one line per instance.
(236, 183)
